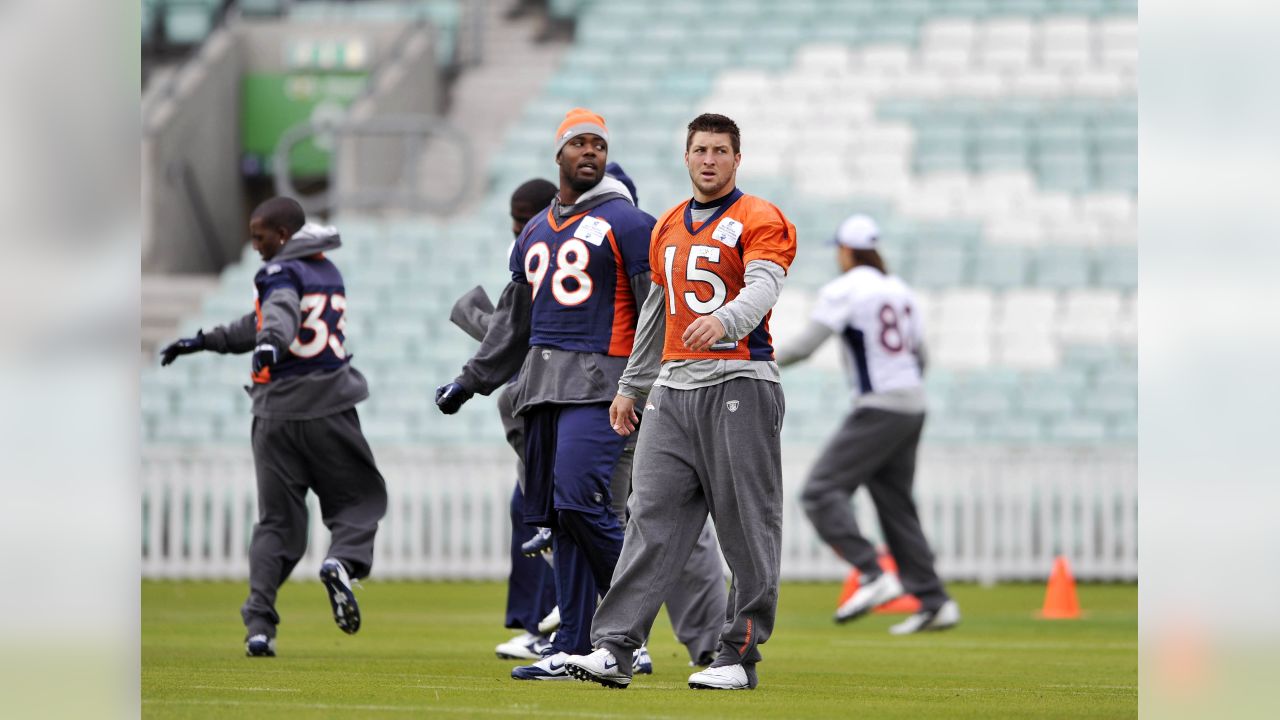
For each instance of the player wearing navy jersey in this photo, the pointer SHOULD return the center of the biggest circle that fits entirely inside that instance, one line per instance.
(306, 434)
(875, 314)
(566, 322)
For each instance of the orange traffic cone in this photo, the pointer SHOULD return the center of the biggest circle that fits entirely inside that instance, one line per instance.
(1060, 601)
(904, 604)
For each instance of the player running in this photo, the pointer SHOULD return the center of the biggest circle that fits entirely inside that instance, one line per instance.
(875, 314)
(710, 437)
(566, 323)
(306, 434)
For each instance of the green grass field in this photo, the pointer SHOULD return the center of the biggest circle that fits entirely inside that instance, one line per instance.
(427, 649)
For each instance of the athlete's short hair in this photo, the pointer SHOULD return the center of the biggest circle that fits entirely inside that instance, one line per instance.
(281, 212)
(535, 194)
(713, 123)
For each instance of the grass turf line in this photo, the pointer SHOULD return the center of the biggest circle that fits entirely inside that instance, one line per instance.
(427, 649)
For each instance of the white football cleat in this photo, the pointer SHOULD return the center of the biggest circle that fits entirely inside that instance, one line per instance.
(525, 646)
(725, 677)
(599, 666)
(947, 616)
(869, 597)
(551, 622)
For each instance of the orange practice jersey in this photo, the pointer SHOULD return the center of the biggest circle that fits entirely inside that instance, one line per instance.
(702, 266)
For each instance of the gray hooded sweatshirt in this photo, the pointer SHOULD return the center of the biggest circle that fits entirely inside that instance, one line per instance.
(304, 396)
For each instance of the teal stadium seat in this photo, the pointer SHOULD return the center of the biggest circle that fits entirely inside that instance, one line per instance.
(1117, 267)
(1062, 268)
(1000, 267)
(188, 22)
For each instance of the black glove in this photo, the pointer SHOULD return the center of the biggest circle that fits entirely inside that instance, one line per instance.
(264, 356)
(183, 346)
(449, 398)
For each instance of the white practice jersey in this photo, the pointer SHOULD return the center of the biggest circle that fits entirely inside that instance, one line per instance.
(875, 316)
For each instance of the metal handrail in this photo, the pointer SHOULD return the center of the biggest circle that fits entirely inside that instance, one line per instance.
(416, 130)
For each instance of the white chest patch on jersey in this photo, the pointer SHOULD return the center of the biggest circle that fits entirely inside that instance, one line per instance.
(273, 269)
(593, 230)
(727, 231)
(732, 405)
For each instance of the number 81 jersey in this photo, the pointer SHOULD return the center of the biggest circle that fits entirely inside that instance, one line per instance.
(702, 266)
(579, 270)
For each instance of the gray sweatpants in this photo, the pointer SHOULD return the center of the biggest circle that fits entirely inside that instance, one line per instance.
(876, 448)
(696, 603)
(713, 449)
(329, 456)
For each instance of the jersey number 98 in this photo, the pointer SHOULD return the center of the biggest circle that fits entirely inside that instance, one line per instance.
(571, 262)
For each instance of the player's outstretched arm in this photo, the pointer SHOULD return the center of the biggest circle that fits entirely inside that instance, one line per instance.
(502, 351)
(800, 348)
(236, 337)
(182, 346)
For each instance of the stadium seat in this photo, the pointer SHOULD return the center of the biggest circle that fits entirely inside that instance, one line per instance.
(1000, 267)
(1089, 316)
(187, 22)
(1061, 268)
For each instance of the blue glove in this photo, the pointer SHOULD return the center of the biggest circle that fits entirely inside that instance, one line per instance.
(183, 346)
(449, 398)
(264, 356)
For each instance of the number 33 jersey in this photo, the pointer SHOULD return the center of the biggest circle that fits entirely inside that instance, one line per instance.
(323, 304)
(580, 270)
(876, 316)
(701, 266)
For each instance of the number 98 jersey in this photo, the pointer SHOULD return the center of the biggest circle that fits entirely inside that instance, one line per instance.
(318, 345)
(876, 316)
(580, 272)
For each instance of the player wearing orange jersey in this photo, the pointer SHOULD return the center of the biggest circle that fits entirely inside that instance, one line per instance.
(710, 437)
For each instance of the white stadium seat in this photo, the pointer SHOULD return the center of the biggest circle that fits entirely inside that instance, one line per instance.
(1089, 316)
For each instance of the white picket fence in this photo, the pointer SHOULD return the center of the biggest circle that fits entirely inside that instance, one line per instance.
(991, 514)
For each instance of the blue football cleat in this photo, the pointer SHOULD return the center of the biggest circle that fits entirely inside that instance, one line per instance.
(537, 544)
(260, 646)
(551, 667)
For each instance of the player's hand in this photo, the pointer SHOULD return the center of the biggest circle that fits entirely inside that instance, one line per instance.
(264, 356)
(183, 346)
(622, 415)
(703, 333)
(449, 398)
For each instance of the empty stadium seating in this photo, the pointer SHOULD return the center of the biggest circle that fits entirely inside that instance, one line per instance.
(995, 141)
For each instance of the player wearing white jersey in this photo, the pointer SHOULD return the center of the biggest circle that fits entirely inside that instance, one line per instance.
(874, 314)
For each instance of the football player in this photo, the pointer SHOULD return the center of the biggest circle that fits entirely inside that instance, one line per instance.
(709, 442)
(306, 434)
(875, 316)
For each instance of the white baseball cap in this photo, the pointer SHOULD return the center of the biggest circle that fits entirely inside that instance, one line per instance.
(858, 232)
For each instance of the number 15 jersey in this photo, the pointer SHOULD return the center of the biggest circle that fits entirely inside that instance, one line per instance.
(702, 266)
(580, 269)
